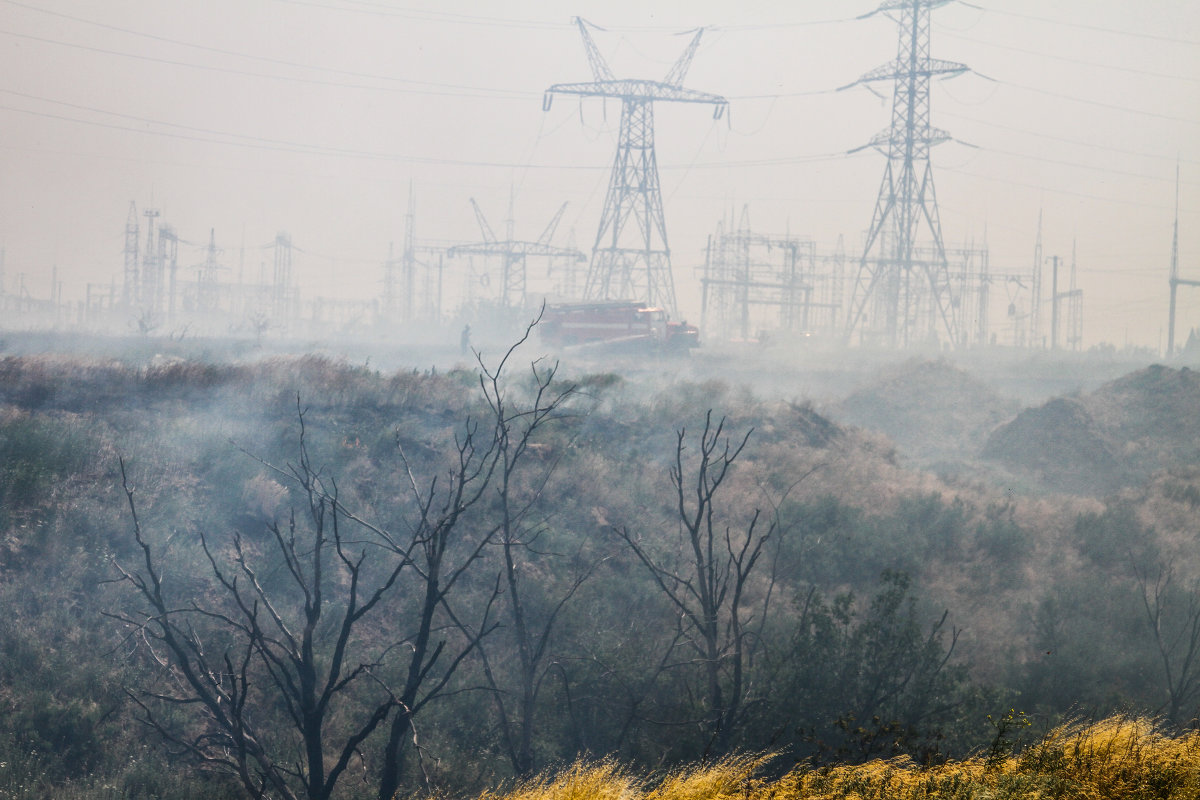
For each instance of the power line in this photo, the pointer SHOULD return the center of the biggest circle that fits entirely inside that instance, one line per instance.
(1083, 25)
(286, 147)
(1067, 140)
(1068, 59)
(1052, 190)
(467, 91)
(249, 56)
(1098, 103)
(206, 135)
(380, 9)
(1089, 167)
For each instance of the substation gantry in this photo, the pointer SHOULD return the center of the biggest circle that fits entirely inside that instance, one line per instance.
(513, 253)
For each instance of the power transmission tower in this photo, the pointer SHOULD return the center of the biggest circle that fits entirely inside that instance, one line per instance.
(514, 253)
(631, 259)
(1175, 280)
(905, 290)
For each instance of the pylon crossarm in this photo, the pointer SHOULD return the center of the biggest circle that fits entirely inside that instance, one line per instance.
(600, 70)
(679, 69)
(548, 234)
(894, 72)
(889, 6)
(635, 89)
(520, 249)
(484, 228)
(884, 140)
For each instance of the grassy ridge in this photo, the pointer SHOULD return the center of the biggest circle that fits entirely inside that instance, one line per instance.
(1115, 759)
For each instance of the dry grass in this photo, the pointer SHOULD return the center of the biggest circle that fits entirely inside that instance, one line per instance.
(1116, 759)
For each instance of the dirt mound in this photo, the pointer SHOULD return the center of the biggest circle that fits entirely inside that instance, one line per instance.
(1155, 402)
(931, 409)
(1117, 435)
(1061, 446)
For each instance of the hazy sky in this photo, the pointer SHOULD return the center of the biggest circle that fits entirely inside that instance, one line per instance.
(313, 116)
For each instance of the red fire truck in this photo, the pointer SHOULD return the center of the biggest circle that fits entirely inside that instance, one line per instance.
(613, 323)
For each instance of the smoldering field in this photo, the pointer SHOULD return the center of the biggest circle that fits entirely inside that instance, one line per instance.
(903, 547)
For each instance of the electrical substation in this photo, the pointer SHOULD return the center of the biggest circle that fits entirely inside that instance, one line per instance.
(902, 284)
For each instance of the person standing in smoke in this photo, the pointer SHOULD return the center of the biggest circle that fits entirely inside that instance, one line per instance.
(464, 341)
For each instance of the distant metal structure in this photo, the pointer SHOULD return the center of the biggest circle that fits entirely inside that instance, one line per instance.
(150, 282)
(514, 253)
(168, 264)
(1074, 298)
(1035, 307)
(412, 284)
(631, 259)
(285, 298)
(899, 294)
(568, 272)
(756, 285)
(130, 289)
(1074, 307)
(207, 276)
(1175, 280)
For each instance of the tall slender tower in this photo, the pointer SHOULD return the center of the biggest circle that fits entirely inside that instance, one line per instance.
(1175, 280)
(631, 259)
(1035, 308)
(151, 277)
(283, 290)
(130, 293)
(207, 288)
(903, 293)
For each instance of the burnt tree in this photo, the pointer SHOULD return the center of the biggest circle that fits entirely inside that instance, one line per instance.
(708, 580)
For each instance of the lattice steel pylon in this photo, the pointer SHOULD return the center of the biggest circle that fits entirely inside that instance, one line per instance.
(514, 253)
(903, 290)
(633, 261)
(131, 289)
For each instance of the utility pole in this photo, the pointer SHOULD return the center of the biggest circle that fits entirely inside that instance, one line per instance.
(1174, 274)
(282, 278)
(1074, 306)
(412, 283)
(168, 261)
(631, 259)
(1175, 280)
(151, 269)
(1035, 309)
(409, 274)
(1054, 305)
(130, 292)
(905, 291)
(207, 289)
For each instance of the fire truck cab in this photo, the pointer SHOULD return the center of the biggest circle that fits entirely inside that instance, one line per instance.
(615, 322)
